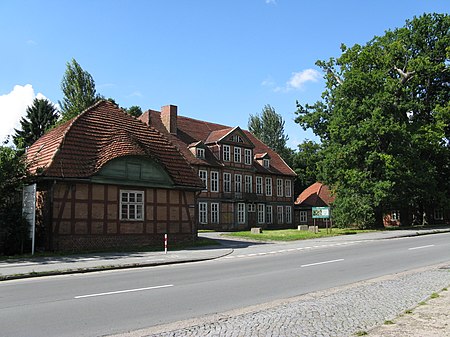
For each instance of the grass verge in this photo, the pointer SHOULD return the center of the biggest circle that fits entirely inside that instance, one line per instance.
(294, 234)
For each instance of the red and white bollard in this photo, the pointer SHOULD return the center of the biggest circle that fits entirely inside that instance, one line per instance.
(165, 243)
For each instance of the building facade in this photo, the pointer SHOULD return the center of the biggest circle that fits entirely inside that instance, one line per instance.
(245, 183)
(106, 180)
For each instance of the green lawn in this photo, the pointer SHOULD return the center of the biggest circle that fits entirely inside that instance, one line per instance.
(294, 234)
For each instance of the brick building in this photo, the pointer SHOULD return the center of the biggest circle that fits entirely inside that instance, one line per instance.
(316, 195)
(246, 184)
(106, 180)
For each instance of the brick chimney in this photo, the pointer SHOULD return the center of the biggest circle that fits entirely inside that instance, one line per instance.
(169, 118)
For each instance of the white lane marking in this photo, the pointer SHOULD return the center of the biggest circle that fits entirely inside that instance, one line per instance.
(124, 291)
(413, 248)
(317, 263)
(295, 249)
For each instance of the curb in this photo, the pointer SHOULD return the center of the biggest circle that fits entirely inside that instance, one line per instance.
(82, 270)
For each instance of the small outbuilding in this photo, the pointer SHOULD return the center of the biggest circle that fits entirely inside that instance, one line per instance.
(316, 195)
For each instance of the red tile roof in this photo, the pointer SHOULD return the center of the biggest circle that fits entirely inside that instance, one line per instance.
(315, 195)
(217, 135)
(191, 130)
(82, 146)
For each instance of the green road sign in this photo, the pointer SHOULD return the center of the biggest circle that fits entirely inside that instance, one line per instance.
(321, 212)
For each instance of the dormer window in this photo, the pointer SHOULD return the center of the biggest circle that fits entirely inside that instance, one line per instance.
(226, 153)
(200, 153)
(248, 156)
(237, 154)
(236, 139)
(263, 159)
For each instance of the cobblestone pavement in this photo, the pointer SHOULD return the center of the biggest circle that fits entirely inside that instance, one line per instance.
(429, 319)
(350, 310)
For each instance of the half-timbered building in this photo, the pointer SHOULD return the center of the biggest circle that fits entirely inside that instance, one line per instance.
(245, 183)
(107, 180)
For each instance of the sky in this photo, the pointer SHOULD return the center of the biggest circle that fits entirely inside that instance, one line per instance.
(217, 60)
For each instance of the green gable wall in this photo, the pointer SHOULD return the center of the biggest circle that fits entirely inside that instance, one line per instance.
(134, 170)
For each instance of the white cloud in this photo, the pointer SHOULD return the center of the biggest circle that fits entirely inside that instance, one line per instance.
(296, 82)
(135, 94)
(268, 82)
(300, 78)
(13, 107)
(271, 2)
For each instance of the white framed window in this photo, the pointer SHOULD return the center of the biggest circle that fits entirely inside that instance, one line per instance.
(266, 163)
(236, 139)
(203, 174)
(214, 181)
(261, 215)
(288, 188)
(203, 212)
(268, 186)
(237, 154)
(288, 214)
(438, 214)
(214, 212)
(269, 214)
(241, 213)
(226, 153)
(227, 182)
(248, 157)
(238, 183)
(279, 214)
(259, 185)
(200, 153)
(279, 187)
(395, 215)
(131, 205)
(248, 184)
(303, 216)
(251, 208)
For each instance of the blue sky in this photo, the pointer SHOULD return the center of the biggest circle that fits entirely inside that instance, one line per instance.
(218, 61)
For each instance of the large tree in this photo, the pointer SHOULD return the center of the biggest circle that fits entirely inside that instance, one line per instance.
(383, 122)
(78, 88)
(269, 128)
(305, 164)
(134, 110)
(41, 116)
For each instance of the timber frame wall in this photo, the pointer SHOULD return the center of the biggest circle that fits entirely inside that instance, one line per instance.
(85, 216)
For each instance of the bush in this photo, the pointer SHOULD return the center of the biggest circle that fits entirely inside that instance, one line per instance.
(14, 233)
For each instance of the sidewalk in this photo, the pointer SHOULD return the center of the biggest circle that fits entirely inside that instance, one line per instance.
(43, 266)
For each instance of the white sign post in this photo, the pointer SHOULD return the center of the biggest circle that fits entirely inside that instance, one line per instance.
(29, 210)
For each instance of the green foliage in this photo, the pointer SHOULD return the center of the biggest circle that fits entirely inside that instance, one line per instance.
(384, 122)
(268, 127)
(305, 164)
(293, 234)
(78, 88)
(134, 110)
(41, 116)
(13, 228)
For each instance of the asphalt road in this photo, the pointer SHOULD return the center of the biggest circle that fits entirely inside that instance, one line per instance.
(117, 301)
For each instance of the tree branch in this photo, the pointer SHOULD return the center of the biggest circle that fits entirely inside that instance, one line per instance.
(405, 76)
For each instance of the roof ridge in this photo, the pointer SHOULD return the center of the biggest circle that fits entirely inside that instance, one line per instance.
(204, 122)
(320, 188)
